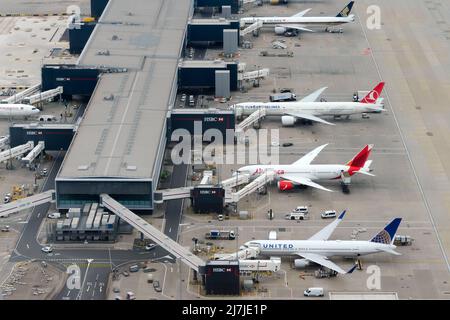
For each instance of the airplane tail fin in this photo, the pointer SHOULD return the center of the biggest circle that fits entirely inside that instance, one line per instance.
(360, 160)
(373, 95)
(387, 235)
(346, 11)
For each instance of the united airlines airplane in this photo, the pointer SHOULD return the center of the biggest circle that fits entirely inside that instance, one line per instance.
(318, 248)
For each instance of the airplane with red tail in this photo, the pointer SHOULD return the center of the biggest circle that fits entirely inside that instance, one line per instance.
(302, 172)
(311, 110)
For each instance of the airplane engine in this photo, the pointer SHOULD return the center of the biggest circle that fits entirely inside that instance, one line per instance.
(285, 185)
(301, 263)
(280, 30)
(287, 121)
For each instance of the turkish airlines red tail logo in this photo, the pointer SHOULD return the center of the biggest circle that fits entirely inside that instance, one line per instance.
(360, 159)
(373, 95)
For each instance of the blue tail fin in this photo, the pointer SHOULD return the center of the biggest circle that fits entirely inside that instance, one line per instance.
(387, 235)
(346, 11)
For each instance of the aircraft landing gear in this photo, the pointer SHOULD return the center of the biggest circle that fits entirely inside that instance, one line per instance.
(345, 188)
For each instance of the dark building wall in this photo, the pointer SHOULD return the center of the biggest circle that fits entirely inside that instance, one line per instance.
(208, 32)
(79, 37)
(55, 139)
(97, 7)
(208, 199)
(219, 3)
(223, 121)
(131, 194)
(76, 81)
(222, 279)
(204, 78)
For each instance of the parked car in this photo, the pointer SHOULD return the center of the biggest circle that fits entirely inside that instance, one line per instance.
(328, 214)
(134, 268)
(44, 172)
(150, 246)
(7, 199)
(288, 144)
(313, 292)
(125, 274)
(220, 217)
(156, 286)
(183, 97)
(47, 249)
(5, 229)
(54, 215)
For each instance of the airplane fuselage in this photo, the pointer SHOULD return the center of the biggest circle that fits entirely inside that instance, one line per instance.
(306, 21)
(312, 171)
(17, 110)
(314, 108)
(328, 248)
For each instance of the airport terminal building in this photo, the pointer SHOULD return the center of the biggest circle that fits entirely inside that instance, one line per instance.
(120, 142)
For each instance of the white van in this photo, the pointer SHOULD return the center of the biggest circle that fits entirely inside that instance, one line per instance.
(54, 215)
(313, 292)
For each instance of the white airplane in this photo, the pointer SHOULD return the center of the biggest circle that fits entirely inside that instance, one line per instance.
(318, 248)
(302, 172)
(298, 22)
(17, 110)
(308, 109)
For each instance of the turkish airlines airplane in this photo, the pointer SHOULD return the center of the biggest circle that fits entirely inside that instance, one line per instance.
(298, 22)
(318, 248)
(308, 109)
(17, 110)
(302, 172)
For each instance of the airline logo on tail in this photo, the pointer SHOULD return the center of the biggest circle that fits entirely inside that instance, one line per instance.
(387, 235)
(360, 159)
(373, 95)
(346, 11)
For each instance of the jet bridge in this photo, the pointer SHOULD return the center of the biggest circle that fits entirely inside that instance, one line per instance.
(150, 231)
(253, 27)
(33, 154)
(16, 151)
(26, 203)
(18, 97)
(254, 75)
(250, 120)
(259, 182)
(4, 141)
(43, 96)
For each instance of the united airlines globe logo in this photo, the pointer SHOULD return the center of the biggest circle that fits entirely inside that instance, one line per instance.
(382, 237)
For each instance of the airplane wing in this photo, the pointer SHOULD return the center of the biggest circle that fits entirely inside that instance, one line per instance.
(298, 27)
(323, 261)
(305, 181)
(326, 232)
(313, 96)
(302, 13)
(310, 156)
(307, 117)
